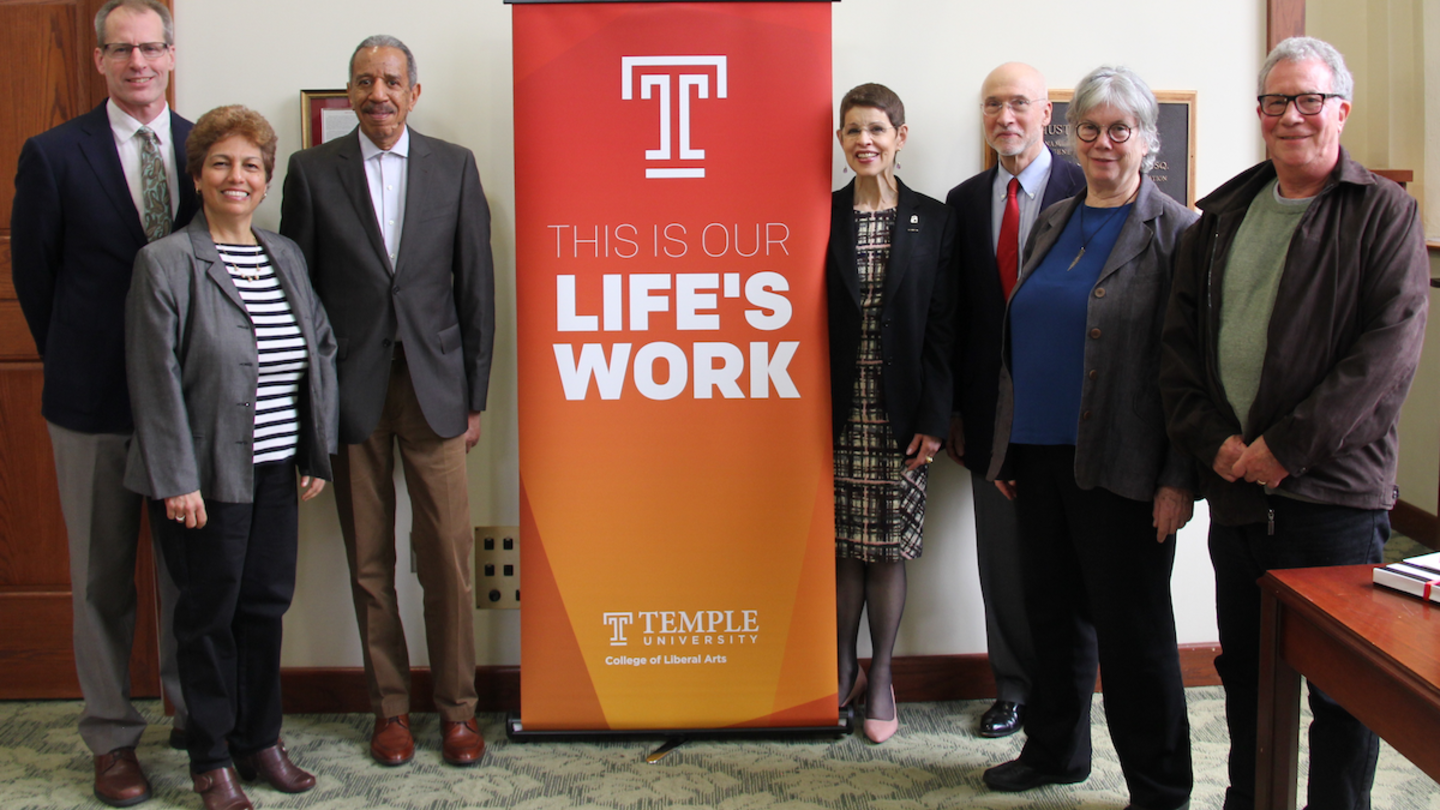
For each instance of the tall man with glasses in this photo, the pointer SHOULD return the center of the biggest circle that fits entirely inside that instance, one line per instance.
(88, 195)
(1293, 333)
(396, 231)
(996, 209)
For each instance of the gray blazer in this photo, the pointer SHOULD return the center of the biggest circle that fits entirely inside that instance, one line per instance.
(193, 373)
(438, 297)
(1122, 444)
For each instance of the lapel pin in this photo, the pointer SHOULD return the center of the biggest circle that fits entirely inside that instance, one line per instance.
(914, 219)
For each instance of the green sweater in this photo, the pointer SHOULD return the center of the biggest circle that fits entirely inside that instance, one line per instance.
(1252, 276)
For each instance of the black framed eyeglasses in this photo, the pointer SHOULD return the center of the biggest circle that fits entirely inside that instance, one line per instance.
(1089, 133)
(120, 51)
(1275, 104)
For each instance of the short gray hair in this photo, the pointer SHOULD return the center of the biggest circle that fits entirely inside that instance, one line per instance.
(156, 6)
(1299, 49)
(1123, 88)
(385, 41)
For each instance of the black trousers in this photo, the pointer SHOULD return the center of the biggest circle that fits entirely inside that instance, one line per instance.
(1343, 752)
(1097, 590)
(236, 577)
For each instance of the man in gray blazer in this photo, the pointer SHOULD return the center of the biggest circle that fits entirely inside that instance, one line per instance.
(396, 232)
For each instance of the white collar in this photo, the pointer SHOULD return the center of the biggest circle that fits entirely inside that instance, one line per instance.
(368, 149)
(1031, 175)
(124, 125)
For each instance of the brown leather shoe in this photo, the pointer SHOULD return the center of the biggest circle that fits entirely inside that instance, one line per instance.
(463, 743)
(220, 790)
(391, 744)
(274, 766)
(119, 782)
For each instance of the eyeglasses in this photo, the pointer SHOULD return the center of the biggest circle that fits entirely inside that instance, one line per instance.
(1089, 133)
(875, 130)
(1018, 105)
(120, 51)
(1275, 104)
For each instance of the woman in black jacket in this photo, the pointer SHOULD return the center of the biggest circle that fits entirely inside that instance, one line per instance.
(891, 299)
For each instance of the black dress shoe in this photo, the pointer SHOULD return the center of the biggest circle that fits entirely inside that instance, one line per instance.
(1002, 719)
(177, 739)
(1015, 776)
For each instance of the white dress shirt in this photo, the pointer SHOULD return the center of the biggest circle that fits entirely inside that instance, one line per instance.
(388, 172)
(124, 127)
(1033, 179)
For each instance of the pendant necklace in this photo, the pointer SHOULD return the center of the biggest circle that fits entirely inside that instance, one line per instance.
(1086, 243)
(249, 273)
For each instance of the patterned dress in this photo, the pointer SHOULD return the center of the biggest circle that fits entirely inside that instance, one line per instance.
(879, 505)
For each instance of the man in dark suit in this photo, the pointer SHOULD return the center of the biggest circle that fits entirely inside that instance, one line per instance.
(88, 195)
(396, 231)
(996, 209)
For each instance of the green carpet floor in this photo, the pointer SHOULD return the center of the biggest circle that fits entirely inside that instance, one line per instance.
(934, 763)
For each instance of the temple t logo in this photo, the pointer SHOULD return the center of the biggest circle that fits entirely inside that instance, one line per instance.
(689, 78)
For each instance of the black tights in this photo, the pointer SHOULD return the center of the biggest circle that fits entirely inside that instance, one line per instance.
(880, 587)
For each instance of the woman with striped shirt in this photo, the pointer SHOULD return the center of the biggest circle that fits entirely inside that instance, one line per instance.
(231, 366)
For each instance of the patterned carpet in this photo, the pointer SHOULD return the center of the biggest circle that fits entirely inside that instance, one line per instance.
(934, 763)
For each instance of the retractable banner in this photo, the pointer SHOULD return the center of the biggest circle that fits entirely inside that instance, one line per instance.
(672, 170)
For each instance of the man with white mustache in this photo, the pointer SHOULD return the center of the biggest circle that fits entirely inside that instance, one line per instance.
(396, 231)
(995, 210)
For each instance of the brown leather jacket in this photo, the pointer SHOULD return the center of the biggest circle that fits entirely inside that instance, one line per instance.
(1344, 340)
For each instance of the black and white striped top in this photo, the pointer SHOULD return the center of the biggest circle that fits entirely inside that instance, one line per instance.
(281, 347)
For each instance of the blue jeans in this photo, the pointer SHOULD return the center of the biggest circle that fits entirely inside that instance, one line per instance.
(1342, 750)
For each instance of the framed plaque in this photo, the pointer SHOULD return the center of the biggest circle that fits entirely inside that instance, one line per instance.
(324, 116)
(1174, 171)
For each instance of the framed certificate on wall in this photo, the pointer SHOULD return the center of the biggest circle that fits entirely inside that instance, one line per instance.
(324, 116)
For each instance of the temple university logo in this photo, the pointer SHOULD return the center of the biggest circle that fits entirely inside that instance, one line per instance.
(689, 76)
(618, 622)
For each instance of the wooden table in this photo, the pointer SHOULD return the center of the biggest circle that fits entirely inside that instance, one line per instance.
(1375, 651)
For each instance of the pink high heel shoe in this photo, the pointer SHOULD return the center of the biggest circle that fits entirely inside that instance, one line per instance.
(878, 731)
(858, 690)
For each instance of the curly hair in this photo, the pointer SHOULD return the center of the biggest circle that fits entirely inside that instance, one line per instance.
(222, 122)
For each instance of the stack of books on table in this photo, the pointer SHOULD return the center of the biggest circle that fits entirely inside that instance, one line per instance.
(1418, 575)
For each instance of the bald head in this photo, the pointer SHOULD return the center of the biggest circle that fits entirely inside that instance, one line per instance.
(1014, 78)
(1017, 108)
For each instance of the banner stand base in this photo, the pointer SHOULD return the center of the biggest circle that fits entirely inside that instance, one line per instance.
(847, 723)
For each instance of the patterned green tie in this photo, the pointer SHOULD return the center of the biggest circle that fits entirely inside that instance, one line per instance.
(154, 186)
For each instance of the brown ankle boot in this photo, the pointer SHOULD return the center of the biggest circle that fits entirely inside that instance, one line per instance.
(274, 766)
(220, 790)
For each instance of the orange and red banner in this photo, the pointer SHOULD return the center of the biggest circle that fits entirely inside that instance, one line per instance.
(672, 170)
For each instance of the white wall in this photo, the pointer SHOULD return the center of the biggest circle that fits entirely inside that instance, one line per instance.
(934, 53)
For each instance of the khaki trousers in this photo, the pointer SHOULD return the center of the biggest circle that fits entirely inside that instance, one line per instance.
(440, 536)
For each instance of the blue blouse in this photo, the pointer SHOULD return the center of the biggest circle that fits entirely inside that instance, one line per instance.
(1048, 324)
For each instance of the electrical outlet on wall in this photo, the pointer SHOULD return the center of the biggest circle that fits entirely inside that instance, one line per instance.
(497, 567)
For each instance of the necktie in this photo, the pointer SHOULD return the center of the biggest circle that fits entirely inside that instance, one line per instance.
(1007, 252)
(154, 186)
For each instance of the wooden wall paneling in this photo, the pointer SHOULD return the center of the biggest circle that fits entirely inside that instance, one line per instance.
(36, 554)
(41, 37)
(15, 340)
(1283, 19)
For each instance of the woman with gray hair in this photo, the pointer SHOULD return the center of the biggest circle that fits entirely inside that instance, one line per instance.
(1080, 446)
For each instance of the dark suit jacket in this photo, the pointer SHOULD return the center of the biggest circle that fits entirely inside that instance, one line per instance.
(74, 234)
(917, 314)
(195, 374)
(440, 299)
(1121, 442)
(981, 307)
